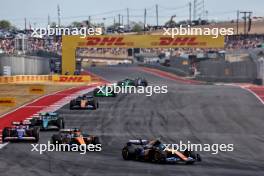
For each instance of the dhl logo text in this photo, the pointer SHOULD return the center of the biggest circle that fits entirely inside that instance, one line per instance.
(190, 41)
(70, 79)
(117, 41)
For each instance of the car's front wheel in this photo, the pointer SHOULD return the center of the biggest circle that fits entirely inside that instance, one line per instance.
(128, 152)
(125, 154)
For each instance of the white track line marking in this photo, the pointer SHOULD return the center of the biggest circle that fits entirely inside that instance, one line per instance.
(244, 88)
(258, 97)
(3, 145)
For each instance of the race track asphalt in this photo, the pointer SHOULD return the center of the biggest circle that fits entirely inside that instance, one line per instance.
(198, 113)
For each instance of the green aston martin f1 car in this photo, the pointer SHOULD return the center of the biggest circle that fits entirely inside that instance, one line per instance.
(104, 91)
(130, 82)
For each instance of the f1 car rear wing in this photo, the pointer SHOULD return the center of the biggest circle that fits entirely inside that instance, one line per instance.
(10, 138)
(68, 130)
(138, 141)
(25, 122)
(48, 114)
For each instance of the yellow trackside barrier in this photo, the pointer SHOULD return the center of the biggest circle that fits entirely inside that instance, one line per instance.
(25, 79)
(45, 78)
(71, 78)
(37, 89)
(7, 101)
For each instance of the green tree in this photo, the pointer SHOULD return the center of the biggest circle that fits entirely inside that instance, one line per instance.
(76, 24)
(170, 23)
(137, 28)
(4, 24)
(114, 26)
(53, 24)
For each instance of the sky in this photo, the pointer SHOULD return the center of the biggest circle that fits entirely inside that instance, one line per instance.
(105, 11)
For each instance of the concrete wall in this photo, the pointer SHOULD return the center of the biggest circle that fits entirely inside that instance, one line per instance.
(182, 64)
(244, 71)
(25, 65)
(168, 69)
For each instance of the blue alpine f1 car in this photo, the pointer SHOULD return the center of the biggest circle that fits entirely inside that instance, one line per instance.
(20, 131)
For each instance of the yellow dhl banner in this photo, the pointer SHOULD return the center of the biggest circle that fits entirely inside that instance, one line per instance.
(37, 89)
(70, 43)
(144, 41)
(71, 78)
(7, 101)
(6, 79)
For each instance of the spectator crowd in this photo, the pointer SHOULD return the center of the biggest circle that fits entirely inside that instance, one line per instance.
(53, 44)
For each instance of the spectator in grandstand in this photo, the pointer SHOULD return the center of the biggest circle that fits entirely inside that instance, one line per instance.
(53, 44)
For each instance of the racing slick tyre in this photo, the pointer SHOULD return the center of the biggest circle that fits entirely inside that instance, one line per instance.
(136, 83)
(119, 83)
(95, 105)
(128, 152)
(4, 134)
(192, 154)
(60, 123)
(72, 103)
(145, 84)
(56, 139)
(96, 140)
(158, 157)
(33, 122)
(96, 90)
(35, 133)
(198, 157)
(141, 82)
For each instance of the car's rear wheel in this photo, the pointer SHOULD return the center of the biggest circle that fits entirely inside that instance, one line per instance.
(4, 134)
(192, 154)
(158, 157)
(33, 122)
(96, 91)
(72, 103)
(198, 157)
(120, 83)
(96, 140)
(35, 133)
(60, 123)
(94, 104)
(56, 139)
